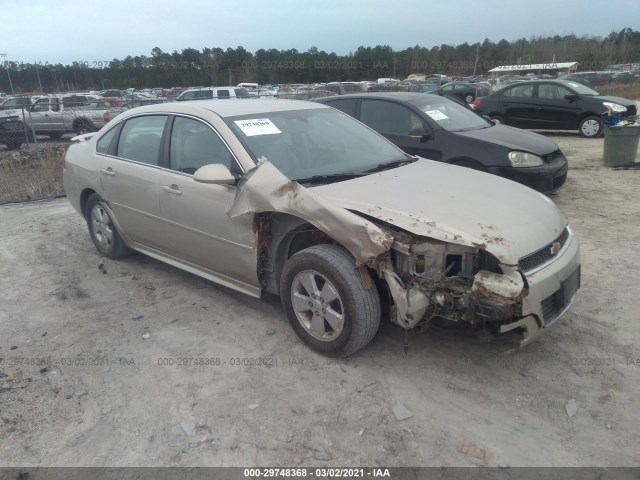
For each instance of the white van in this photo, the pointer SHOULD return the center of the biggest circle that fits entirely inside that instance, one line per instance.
(213, 92)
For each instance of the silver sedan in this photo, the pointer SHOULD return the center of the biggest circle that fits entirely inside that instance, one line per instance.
(302, 201)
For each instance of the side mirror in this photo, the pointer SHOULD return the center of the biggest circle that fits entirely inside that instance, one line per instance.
(421, 133)
(570, 97)
(214, 173)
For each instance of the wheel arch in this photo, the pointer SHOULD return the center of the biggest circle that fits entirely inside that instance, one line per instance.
(468, 162)
(84, 196)
(282, 235)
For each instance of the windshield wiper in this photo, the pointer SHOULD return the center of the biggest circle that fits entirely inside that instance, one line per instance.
(329, 176)
(389, 165)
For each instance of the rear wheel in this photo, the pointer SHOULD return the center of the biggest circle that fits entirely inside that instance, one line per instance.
(103, 231)
(497, 119)
(590, 127)
(332, 305)
(469, 98)
(83, 127)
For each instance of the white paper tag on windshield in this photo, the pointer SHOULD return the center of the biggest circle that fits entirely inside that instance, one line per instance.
(257, 126)
(437, 115)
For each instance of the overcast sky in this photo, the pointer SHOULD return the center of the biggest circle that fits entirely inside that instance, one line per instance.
(85, 30)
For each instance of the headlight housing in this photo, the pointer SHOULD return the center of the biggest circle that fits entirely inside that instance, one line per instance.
(615, 107)
(524, 159)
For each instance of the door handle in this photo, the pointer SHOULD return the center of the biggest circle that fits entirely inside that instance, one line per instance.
(172, 189)
(107, 171)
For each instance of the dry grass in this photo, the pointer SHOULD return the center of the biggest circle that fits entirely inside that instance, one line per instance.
(24, 176)
(630, 91)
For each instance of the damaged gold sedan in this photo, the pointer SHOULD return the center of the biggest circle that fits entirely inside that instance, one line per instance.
(299, 200)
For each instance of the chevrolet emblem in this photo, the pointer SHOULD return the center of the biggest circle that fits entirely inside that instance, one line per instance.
(555, 248)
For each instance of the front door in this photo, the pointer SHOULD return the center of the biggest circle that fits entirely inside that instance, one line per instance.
(197, 228)
(400, 125)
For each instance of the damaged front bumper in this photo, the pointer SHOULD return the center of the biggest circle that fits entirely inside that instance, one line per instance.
(503, 300)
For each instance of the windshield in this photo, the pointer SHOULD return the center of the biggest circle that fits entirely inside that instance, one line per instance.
(582, 90)
(450, 115)
(313, 142)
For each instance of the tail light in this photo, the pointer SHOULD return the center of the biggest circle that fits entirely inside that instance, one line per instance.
(105, 117)
(476, 104)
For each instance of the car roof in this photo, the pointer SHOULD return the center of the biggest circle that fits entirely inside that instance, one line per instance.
(229, 108)
(400, 96)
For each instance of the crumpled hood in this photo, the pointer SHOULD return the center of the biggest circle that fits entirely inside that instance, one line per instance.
(456, 205)
(514, 139)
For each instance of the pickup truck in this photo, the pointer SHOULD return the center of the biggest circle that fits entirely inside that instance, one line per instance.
(56, 115)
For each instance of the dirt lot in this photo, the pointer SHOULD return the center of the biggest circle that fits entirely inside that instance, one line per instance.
(81, 385)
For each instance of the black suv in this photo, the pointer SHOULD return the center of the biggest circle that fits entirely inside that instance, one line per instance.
(11, 130)
(550, 105)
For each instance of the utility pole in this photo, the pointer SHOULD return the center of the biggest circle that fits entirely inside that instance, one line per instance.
(476, 62)
(38, 75)
(4, 56)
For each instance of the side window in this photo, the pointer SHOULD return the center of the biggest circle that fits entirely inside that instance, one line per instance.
(223, 94)
(448, 88)
(522, 91)
(194, 144)
(102, 146)
(41, 105)
(55, 104)
(552, 92)
(347, 106)
(140, 139)
(388, 117)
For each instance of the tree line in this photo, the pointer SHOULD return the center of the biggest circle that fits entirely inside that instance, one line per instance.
(216, 66)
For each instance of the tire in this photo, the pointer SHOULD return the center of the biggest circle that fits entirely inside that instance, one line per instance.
(55, 135)
(14, 144)
(352, 306)
(102, 231)
(469, 98)
(591, 127)
(82, 128)
(497, 119)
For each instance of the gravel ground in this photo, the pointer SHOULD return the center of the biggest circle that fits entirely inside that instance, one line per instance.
(91, 371)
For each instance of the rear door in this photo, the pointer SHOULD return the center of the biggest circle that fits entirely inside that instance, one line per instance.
(518, 106)
(129, 176)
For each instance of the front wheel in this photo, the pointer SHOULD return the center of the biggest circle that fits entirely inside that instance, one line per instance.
(332, 305)
(590, 127)
(13, 144)
(102, 230)
(469, 98)
(497, 119)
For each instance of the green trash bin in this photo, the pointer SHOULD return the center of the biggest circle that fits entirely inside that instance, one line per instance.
(620, 144)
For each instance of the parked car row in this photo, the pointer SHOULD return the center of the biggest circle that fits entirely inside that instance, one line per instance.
(437, 128)
(302, 201)
(552, 105)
